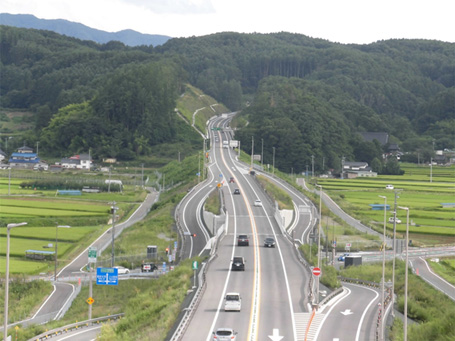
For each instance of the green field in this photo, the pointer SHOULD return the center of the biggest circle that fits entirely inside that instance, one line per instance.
(427, 217)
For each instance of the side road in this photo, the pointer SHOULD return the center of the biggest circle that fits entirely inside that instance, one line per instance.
(64, 293)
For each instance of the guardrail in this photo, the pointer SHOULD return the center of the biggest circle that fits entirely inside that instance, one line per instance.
(74, 326)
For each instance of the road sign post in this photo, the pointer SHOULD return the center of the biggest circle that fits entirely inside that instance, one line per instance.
(195, 266)
(317, 271)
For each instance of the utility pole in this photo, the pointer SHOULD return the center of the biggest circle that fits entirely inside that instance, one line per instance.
(262, 154)
(312, 166)
(273, 168)
(113, 210)
(394, 250)
(383, 270)
(142, 176)
(252, 151)
(431, 170)
(319, 240)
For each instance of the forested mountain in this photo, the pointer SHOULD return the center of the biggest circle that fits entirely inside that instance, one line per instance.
(76, 30)
(307, 96)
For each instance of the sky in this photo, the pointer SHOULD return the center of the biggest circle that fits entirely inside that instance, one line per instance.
(342, 21)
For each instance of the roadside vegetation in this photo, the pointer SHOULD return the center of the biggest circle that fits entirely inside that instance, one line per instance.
(213, 202)
(445, 268)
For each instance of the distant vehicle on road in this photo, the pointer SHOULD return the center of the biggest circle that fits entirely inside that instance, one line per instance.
(236, 191)
(242, 240)
(122, 270)
(148, 267)
(233, 302)
(398, 221)
(269, 242)
(389, 187)
(224, 334)
(258, 203)
(231, 180)
(238, 263)
(342, 258)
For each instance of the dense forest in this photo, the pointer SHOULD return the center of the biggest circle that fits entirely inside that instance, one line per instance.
(305, 97)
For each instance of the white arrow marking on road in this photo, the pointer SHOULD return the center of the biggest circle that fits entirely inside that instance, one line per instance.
(347, 312)
(276, 335)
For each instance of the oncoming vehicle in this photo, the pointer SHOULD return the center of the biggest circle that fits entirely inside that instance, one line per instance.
(238, 263)
(232, 302)
(236, 191)
(231, 180)
(269, 242)
(224, 334)
(148, 267)
(258, 203)
(243, 240)
(398, 221)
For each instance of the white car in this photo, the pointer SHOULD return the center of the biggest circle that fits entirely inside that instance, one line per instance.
(389, 187)
(258, 203)
(398, 221)
(122, 270)
(232, 302)
(224, 334)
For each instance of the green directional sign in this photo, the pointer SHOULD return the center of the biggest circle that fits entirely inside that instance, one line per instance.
(195, 265)
(92, 251)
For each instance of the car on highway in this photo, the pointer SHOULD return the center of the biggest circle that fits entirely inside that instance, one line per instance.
(232, 302)
(148, 267)
(242, 240)
(224, 334)
(231, 180)
(258, 203)
(236, 191)
(269, 242)
(238, 264)
(398, 221)
(342, 258)
(122, 270)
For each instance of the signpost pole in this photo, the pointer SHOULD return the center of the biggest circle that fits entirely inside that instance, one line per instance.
(90, 294)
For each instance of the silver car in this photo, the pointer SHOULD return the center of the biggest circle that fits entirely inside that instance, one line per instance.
(224, 334)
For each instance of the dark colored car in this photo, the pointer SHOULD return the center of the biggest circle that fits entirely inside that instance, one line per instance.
(148, 267)
(238, 263)
(269, 242)
(236, 191)
(242, 240)
(231, 180)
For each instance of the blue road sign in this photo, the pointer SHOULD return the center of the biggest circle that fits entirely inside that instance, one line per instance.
(175, 244)
(106, 276)
(164, 266)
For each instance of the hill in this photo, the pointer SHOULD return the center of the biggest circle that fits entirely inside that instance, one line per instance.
(303, 97)
(76, 30)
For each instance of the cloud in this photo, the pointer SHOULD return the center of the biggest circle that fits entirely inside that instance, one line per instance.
(187, 7)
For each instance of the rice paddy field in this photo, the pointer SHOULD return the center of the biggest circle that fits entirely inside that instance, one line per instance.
(422, 190)
(88, 215)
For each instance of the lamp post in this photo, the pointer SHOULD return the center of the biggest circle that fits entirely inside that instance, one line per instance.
(406, 276)
(319, 239)
(113, 210)
(273, 168)
(383, 268)
(56, 247)
(262, 154)
(5, 325)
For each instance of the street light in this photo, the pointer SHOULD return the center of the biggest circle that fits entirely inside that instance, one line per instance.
(5, 326)
(406, 276)
(383, 269)
(56, 247)
(113, 210)
(273, 168)
(319, 239)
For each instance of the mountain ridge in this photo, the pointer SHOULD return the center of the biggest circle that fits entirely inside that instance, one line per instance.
(76, 30)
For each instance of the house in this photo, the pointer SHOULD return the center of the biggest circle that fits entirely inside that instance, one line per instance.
(82, 161)
(24, 158)
(382, 138)
(353, 170)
